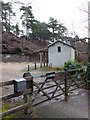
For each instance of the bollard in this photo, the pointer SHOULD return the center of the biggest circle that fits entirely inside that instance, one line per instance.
(35, 66)
(28, 68)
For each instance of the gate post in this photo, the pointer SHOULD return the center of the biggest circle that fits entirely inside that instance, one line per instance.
(66, 91)
(27, 96)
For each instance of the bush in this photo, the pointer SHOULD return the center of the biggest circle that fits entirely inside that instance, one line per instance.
(72, 65)
(18, 50)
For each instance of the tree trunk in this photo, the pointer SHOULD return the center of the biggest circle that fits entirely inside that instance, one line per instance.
(9, 23)
(5, 21)
(2, 20)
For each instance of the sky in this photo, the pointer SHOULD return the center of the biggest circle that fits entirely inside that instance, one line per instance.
(66, 11)
(69, 12)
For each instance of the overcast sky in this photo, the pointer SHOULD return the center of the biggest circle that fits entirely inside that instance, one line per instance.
(66, 11)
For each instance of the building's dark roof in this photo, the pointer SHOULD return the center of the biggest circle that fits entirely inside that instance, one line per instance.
(60, 42)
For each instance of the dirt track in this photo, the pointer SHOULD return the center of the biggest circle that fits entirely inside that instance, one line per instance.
(13, 70)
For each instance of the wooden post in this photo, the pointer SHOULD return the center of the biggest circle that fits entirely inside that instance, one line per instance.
(35, 66)
(66, 91)
(47, 59)
(27, 97)
(40, 59)
(28, 68)
(44, 59)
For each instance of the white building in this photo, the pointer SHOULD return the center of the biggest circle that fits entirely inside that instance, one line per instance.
(60, 52)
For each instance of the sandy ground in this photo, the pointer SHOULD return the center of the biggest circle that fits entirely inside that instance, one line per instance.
(11, 71)
(14, 70)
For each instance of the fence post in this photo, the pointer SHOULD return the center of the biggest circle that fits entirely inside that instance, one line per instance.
(66, 91)
(35, 66)
(27, 97)
(28, 68)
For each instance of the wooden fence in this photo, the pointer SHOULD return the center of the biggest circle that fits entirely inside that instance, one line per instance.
(46, 87)
(27, 105)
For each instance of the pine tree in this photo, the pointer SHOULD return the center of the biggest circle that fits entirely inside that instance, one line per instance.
(27, 18)
(58, 29)
(7, 14)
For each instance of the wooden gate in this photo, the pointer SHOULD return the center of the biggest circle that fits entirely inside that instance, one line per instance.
(53, 85)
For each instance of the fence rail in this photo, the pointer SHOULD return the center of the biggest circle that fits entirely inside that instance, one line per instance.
(27, 105)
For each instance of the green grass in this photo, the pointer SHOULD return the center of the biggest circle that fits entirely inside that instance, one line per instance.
(7, 106)
(43, 70)
(57, 69)
(48, 68)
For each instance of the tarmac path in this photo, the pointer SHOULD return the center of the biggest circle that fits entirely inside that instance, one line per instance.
(75, 107)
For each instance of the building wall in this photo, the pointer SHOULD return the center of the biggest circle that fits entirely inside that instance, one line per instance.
(57, 59)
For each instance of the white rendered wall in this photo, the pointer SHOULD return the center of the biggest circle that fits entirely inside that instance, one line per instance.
(57, 59)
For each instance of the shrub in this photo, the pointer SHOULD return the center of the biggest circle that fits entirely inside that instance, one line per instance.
(73, 65)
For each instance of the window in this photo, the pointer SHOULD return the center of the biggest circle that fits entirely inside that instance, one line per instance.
(59, 49)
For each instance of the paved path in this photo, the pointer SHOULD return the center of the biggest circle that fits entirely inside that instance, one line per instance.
(75, 107)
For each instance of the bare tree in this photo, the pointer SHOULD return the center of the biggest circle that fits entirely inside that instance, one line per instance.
(86, 9)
